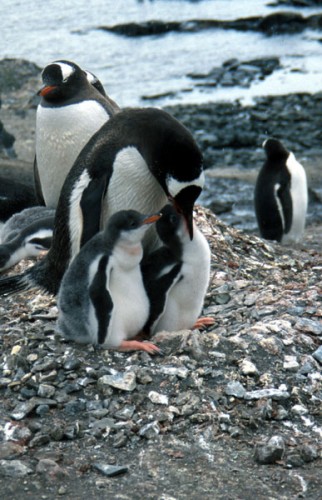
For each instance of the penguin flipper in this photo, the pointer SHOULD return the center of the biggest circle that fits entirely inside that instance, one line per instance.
(38, 190)
(91, 206)
(14, 284)
(101, 300)
(284, 195)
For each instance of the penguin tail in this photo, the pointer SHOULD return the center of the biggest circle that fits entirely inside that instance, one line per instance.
(14, 284)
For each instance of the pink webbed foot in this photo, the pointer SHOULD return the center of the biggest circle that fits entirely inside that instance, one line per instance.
(136, 345)
(203, 322)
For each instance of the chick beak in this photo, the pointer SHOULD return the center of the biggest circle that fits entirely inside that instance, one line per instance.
(150, 219)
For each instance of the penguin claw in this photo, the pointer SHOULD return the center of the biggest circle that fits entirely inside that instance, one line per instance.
(203, 322)
(136, 345)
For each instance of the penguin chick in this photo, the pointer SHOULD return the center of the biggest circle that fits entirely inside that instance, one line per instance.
(102, 299)
(281, 195)
(26, 235)
(176, 276)
(73, 107)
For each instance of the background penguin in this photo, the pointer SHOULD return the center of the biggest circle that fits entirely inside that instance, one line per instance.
(102, 299)
(14, 197)
(281, 195)
(176, 276)
(25, 235)
(137, 160)
(71, 110)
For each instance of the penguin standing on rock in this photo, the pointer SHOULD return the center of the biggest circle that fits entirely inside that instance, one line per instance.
(281, 195)
(73, 107)
(176, 276)
(102, 299)
(138, 160)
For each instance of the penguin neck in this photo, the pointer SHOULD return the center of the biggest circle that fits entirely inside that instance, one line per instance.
(128, 255)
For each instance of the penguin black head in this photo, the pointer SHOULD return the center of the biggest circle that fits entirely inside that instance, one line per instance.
(275, 150)
(178, 165)
(129, 225)
(168, 225)
(62, 80)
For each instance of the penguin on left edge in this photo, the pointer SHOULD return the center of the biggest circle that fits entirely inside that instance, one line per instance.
(73, 107)
(140, 159)
(102, 299)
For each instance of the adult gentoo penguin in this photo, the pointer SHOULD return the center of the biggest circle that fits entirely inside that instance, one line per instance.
(26, 234)
(281, 195)
(176, 276)
(73, 107)
(102, 299)
(137, 160)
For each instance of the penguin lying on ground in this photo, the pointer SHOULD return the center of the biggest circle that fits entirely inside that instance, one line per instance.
(102, 299)
(73, 107)
(137, 160)
(281, 195)
(14, 197)
(25, 235)
(176, 276)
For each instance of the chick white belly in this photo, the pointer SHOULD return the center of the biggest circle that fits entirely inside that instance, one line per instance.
(61, 134)
(130, 306)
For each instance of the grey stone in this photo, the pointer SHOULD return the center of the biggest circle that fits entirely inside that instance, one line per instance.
(275, 394)
(318, 354)
(123, 381)
(14, 468)
(110, 470)
(309, 325)
(270, 452)
(235, 389)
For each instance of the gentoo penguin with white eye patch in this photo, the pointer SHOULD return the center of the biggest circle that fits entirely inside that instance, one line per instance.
(281, 195)
(26, 234)
(176, 276)
(102, 299)
(138, 160)
(72, 108)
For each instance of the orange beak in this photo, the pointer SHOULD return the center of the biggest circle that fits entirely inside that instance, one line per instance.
(48, 89)
(151, 218)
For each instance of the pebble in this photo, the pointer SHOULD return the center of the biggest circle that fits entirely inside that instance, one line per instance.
(247, 367)
(318, 354)
(271, 452)
(309, 325)
(157, 398)
(275, 394)
(235, 389)
(123, 381)
(150, 430)
(14, 468)
(110, 470)
(299, 410)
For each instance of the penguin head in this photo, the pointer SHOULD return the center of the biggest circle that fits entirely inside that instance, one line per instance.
(93, 80)
(275, 150)
(169, 224)
(129, 226)
(62, 80)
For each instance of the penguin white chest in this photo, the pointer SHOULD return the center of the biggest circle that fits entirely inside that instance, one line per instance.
(130, 301)
(61, 134)
(299, 195)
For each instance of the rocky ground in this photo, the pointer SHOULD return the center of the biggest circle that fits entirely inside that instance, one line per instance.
(232, 412)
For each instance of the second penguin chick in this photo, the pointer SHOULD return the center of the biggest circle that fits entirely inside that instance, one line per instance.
(102, 299)
(176, 276)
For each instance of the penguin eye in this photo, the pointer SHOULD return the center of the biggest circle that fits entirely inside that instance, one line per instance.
(173, 219)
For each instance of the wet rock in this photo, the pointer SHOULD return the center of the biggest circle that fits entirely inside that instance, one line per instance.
(270, 452)
(156, 398)
(318, 354)
(51, 468)
(236, 389)
(150, 430)
(14, 468)
(110, 470)
(309, 325)
(123, 381)
(309, 453)
(46, 391)
(276, 394)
